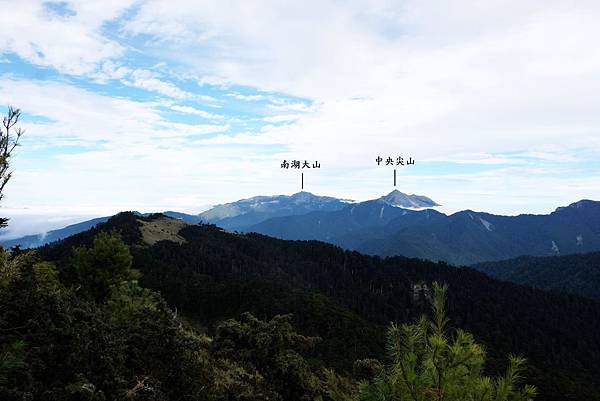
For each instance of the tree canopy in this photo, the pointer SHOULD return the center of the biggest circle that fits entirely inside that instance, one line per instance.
(431, 363)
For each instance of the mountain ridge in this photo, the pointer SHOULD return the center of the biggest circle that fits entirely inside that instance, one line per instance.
(465, 237)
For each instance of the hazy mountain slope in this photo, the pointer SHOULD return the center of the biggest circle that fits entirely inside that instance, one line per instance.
(575, 274)
(247, 212)
(190, 218)
(36, 240)
(214, 274)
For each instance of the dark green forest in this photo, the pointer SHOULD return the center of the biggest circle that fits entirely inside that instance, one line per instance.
(338, 304)
(81, 328)
(574, 274)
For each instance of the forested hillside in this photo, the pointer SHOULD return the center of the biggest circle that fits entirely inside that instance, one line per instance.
(83, 329)
(574, 274)
(96, 335)
(347, 298)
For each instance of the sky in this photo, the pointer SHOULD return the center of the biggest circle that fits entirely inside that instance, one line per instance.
(152, 105)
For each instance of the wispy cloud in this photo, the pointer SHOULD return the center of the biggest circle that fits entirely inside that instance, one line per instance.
(282, 118)
(149, 80)
(198, 112)
(247, 98)
(72, 43)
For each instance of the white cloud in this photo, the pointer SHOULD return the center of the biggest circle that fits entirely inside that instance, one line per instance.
(286, 105)
(470, 82)
(214, 80)
(179, 129)
(75, 44)
(138, 159)
(246, 98)
(77, 113)
(149, 81)
(83, 117)
(198, 112)
(454, 82)
(282, 118)
(72, 44)
(431, 77)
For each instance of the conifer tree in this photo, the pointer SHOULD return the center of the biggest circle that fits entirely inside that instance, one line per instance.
(104, 266)
(431, 364)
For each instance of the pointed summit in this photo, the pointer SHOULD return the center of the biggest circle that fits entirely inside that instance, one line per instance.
(400, 199)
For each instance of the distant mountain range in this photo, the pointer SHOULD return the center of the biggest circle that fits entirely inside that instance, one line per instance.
(235, 216)
(395, 224)
(463, 238)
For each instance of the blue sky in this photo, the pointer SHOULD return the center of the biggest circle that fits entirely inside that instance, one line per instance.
(149, 105)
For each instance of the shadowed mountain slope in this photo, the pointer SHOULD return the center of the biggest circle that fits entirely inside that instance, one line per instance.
(466, 237)
(575, 274)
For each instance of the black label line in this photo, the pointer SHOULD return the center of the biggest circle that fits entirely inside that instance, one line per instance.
(394, 177)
